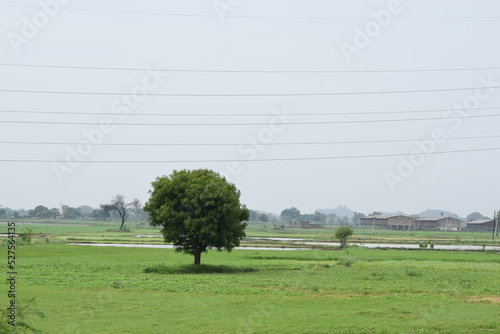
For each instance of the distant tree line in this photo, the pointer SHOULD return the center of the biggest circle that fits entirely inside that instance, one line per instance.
(83, 212)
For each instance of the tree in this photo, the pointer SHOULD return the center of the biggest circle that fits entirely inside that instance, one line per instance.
(291, 215)
(263, 218)
(375, 213)
(475, 216)
(342, 233)
(40, 212)
(119, 205)
(99, 215)
(319, 217)
(2, 212)
(85, 210)
(70, 213)
(356, 219)
(197, 210)
(332, 217)
(253, 215)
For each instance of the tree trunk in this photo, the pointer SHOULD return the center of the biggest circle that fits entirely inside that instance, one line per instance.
(123, 223)
(197, 255)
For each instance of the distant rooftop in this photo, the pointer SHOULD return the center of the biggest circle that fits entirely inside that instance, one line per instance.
(382, 216)
(480, 221)
(435, 218)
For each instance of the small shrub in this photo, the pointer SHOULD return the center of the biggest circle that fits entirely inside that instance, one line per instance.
(347, 261)
(315, 288)
(26, 234)
(413, 272)
(125, 229)
(117, 285)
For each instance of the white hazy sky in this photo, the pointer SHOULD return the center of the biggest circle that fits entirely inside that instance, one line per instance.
(257, 35)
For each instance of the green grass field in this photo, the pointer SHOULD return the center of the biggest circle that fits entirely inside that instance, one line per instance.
(88, 289)
(106, 232)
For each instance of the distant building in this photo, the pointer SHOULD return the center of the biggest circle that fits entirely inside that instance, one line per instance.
(307, 224)
(481, 225)
(438, 224)
(394, 222)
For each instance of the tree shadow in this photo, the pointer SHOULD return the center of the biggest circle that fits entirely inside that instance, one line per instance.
(196, 269)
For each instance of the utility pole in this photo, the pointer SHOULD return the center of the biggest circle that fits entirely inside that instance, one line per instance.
(373, 227)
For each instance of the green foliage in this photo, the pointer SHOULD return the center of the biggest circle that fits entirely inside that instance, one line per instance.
(413, 272)
(100, 215)
(292, 214)
(197, 210)
(342, 233)
(21, 325)
(117, 285)
(40, 212)
(26, 234)
(346, 260)
(289, 291)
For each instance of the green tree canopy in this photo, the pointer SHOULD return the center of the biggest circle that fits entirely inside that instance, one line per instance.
(263, 217)
(342, 233)
(475, 216)
(356, 219)
(197, 210)
(292, 214)
(40, 212)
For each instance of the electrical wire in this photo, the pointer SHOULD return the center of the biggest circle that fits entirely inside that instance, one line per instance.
(247, 124)
(243, 95)
(237, 115)
(251, 71)
(254, 17)
(248, 144)
(249, 160)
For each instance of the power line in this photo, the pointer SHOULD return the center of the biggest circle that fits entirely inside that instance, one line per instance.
(248, 124)
(248, 144)
(243, 95)
(251, 71)
(255, 17)
(250, 160)
(236, 115)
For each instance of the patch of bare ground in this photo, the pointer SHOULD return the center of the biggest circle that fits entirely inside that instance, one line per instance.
(487, 299)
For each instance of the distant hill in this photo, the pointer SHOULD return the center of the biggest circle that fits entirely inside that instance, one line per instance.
(437, 213)
(393, 213)
(340, 211)
(269, 214)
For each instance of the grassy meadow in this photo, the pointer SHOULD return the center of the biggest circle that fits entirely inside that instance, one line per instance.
(90, 289)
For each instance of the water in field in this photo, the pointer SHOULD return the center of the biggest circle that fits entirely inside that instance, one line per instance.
(172, 246)
(332, 244)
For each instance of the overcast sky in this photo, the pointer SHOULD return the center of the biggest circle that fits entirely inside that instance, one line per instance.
(371, 60)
